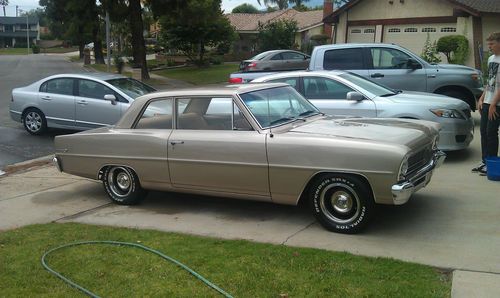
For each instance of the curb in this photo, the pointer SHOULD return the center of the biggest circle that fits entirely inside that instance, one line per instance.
(25, 165)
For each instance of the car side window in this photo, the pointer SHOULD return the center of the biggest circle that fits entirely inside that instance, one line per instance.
(389, 59)
(59, 86)
(217, 113)
(322, 88)
(294, 82)
(157, 115)
(277, 57)
(292, 56)
(343, 59)
(91, 89)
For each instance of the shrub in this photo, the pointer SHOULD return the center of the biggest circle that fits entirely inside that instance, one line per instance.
(35, 48)
(429, 52)
(119, 63)
(454, 47)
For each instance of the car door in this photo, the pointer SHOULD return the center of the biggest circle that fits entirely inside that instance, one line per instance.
(225, 156)
(390, 68)
(92, 110)
(294, 61)
(274, 63)
(57, 101)
(330, 96)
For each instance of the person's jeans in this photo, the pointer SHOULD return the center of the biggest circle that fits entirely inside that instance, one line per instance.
(489, 133)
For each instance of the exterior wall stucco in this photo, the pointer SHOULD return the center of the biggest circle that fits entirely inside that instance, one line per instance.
(464, 27)
(381, 9)
(490, 24)
(308, 34)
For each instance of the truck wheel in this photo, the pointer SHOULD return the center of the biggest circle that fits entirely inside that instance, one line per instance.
(122, 185)
(34, 121)
(341, 203)
(460, 95)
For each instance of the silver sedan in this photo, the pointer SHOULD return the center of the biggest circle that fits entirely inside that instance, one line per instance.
(74, 101)
(346, 94)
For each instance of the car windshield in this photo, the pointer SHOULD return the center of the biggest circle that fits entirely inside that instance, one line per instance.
(372, 87)
(277, 106)
(131, 87)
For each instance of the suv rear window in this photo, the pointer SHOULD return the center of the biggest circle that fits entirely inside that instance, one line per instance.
(343, 59)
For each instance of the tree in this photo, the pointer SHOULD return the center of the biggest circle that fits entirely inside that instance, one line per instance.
(132, 11)
(339, 3)
(282, 4)
(4, 3)
(277, 35)
(245, 8)
(298, 3)
(454, 47)
(195, 25)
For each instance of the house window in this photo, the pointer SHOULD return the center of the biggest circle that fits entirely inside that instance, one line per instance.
(411, 30)
(394, 30)
(448, 29)
(355, 31)
(428, 29)
(369, 30)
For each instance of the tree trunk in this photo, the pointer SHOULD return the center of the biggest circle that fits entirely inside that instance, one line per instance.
(96, 37)
(138, 46)
(81, 46)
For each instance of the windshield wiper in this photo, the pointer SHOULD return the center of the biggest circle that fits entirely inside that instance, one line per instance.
(306, 113)
(291, 119)
(388, 94)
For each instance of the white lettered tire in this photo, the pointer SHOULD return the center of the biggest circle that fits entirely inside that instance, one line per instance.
(122, 185)
(341, 203)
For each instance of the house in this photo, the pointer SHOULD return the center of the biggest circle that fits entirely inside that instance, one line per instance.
(409, 22)
(14, 32)
(247, 26)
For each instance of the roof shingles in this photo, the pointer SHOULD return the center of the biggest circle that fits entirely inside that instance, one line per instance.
(250, 21)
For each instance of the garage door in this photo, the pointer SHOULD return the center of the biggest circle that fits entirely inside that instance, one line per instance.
(361, 34)
(413, 37)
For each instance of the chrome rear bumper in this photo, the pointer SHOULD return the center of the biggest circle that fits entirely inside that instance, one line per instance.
(402, 192)
(57, 163)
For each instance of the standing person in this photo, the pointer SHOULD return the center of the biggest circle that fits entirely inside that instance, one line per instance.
(489, 105)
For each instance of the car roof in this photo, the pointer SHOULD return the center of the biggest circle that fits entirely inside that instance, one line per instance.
(103, 76)
(300, 73)
(353, 45)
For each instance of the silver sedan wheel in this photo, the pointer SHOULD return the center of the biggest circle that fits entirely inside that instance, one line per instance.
(33, 121)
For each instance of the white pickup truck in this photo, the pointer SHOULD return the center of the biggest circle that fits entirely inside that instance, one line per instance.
(392, 66)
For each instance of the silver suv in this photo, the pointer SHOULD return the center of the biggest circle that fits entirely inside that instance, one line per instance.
(399, 68)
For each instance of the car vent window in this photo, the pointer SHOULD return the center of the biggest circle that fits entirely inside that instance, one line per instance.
(43, 87)
(157, 115)
(343, 59)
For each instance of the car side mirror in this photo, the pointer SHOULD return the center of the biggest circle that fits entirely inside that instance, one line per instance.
(413, 64)
(110, 97)
(355, 96)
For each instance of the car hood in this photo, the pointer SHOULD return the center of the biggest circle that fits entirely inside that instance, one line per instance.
(455, 67)
(408, 132)
(428, 100)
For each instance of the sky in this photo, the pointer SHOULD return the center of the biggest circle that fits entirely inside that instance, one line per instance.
(227, 5)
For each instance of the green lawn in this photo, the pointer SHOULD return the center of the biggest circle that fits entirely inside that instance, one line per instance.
(200, 76)
(241, 268)
(14, 51)
(59, 50)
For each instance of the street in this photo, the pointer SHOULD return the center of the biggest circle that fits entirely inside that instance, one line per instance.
(16, 144)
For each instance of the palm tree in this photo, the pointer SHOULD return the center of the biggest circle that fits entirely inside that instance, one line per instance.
(5, 3)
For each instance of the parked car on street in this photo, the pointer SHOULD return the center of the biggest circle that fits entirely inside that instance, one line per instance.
(392, 66)
(74, 101)
(276, 60)
(343, 93)
(257, 141)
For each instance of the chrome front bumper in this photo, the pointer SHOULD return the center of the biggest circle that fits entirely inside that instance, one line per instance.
(402, 192)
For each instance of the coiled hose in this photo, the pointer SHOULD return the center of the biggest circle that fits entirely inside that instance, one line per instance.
(75, 285)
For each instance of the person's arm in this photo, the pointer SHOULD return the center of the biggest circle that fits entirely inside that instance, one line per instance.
(492, 111)
(480, 101)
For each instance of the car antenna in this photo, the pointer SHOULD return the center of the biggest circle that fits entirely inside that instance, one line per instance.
(269, 116)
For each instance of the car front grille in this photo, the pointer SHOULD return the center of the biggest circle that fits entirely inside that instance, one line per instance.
(419, 160)
(467, 113)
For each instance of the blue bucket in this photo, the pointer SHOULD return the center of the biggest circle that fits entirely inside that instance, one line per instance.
(493, 165)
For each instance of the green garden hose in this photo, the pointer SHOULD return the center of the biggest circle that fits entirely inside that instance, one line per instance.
(73, 284)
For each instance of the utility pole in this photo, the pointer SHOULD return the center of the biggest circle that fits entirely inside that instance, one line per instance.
(28, 33)
(17, 6)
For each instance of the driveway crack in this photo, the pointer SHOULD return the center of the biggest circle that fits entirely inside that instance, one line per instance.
(304, 228)
(78, 214)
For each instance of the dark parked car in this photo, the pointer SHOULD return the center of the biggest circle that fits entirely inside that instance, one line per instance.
(276, 60)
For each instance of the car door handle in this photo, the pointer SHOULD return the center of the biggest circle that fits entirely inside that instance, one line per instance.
(377, 75)
(46, 98)
(82, 102)
(432, 76)
(176, 142)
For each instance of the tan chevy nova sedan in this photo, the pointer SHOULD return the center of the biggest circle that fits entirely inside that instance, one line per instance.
(260, 142)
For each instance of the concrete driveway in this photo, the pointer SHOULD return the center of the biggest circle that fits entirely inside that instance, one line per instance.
(453, 223)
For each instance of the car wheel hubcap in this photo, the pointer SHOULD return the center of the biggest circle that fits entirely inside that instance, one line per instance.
(33, 121)
(339, 203)
(120, 181)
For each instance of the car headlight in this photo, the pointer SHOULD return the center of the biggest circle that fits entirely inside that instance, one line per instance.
(448, 113)
(403, 169)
